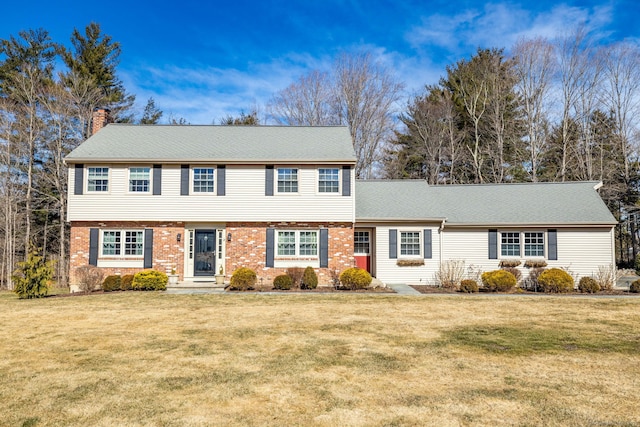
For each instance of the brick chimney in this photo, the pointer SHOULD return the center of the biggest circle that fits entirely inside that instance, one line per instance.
(99, 119)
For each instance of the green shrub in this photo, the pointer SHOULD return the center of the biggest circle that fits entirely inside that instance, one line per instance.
(111, 283)
(498, 281)
(126, 282)
(588, 285)
(355, 278)
(32, 277)
(635, 287)
(555, 280)
(309, 279)
(282, 282)
(243, 279)
(469, 286)
(149, 280)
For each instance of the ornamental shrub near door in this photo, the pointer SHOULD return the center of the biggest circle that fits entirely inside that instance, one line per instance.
(243, 279)
(150, 280)
(355, 278)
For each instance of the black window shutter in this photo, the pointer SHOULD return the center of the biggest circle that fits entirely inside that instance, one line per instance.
(78, 182)
(271, 233)
(222, 180)
(493, 244)
(552, 235)
(268, 181)
(94, 239)
(428, 248)
(184, 180)
(157, 180)
(324, 247)
(346, 180)
(393, 244)
(148, 248)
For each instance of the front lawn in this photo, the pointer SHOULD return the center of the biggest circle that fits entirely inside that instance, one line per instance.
(318, 359)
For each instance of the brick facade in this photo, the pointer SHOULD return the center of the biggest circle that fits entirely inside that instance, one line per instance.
(168, 253)
(247, 247)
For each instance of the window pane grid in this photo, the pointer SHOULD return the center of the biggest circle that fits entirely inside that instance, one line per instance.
(287, 243)
(533, 244)
(361, 242)
(133, 243)
(410, 243)
(111, 243)
(203, 180)
(308, 243)
(287, 180)
(328, 181)
(98, 179)
(139, 179)
(510, 244)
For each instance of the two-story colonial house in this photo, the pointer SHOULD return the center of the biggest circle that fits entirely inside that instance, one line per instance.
(201, 199)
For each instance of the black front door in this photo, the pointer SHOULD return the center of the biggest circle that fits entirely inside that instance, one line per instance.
(205, 253)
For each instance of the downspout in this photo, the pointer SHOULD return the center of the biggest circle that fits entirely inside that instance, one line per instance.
(441, 243)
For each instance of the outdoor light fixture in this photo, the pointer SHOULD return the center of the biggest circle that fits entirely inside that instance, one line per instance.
(229, 237)
(179, 237)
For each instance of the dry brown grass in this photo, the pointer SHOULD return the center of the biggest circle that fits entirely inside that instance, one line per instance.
(134, 359)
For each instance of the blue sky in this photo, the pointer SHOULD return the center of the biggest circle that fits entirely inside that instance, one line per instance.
(201, 60)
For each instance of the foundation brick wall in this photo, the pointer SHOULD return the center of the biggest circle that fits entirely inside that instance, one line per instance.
(247, 248)
(168, 253)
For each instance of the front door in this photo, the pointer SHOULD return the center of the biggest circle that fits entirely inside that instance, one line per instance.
(362, 249)
(204, 253)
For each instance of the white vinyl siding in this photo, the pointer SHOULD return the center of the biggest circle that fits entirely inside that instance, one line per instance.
(244, 200)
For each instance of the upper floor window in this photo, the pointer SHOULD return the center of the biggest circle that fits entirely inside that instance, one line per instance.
(139, 179)
(294, 243)
(534, 243)
(410, 243)
(203, 180)
(98, 179)
(287, 180)
(510, 244)
(328, 180)
(122, 243)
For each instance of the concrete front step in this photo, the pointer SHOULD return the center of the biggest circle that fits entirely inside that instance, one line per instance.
(191, 287)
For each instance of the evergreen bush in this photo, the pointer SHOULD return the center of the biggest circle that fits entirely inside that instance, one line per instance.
(149, 280)
(355, 278)
(111, 283)
(309, 279)
(588, 285)
(126, 282)
(32, 277)
(556, 280)
(282, 282)
(498, 281)
(243, 279)
(468, 286)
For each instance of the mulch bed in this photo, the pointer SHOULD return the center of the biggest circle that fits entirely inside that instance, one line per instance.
(426, 289)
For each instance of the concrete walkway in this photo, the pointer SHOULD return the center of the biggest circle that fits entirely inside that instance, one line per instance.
(403, 289)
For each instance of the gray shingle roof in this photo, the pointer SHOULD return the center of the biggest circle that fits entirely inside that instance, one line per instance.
(123, 143)
(487, 204)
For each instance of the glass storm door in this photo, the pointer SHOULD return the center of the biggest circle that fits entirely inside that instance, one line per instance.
(205, 253)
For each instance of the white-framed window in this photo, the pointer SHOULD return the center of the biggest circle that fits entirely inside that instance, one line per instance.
(510, 243)
(139, 179)
(361, 243)
(97, 179)
(287, 180)
(410, 243)
(203, 180)
(122, 243)
(297, 243)
(328, 180)
(534, 243)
